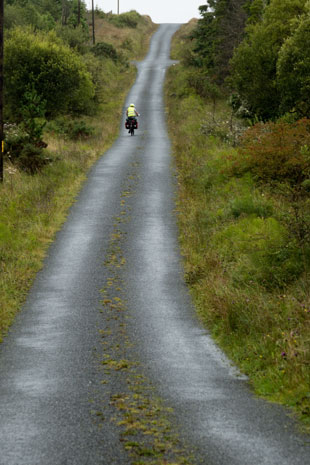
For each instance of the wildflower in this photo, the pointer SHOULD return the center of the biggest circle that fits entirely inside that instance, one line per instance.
(283, 354)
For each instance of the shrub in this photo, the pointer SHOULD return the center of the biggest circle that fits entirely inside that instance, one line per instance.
(33, 113)
(24, 144)
(276, 152)
(127, 44)
(72, 129)
(79, 130)
(75, 37)
(27, 14)
(130, 19)
(228, 129)
(103, 49)
(42, 62)
(32, 158)
(23, 152)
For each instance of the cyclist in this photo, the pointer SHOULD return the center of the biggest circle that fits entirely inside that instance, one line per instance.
(131, 112)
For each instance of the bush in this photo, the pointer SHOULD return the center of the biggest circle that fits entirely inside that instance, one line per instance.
(276, 152)
(127, 44)
(31, 158)
(24, 144)
(228, 129)
(23, 152)
(75, 37)
(33, 113)
(79, 130)
(27, 15)
(130, 19)
(42, 62)
(72, 129)
(105, 50)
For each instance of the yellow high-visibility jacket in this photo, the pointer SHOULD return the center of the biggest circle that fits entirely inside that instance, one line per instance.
(131, 112)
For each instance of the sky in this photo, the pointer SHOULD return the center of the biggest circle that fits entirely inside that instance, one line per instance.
(161, 11)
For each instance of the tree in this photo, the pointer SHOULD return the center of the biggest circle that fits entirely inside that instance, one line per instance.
(254, 64)
(255, 10)
(218, 32)
(54, 71)
(43, 14)
(293, 70)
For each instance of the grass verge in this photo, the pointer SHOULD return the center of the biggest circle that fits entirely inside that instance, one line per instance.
(246, 269)
(32, 208)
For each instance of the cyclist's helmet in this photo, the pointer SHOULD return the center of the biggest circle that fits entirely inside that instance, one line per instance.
(132, 105)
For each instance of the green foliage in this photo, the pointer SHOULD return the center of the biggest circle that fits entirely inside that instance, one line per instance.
(259, 49)
(103, 72)
(254, 63)
(23, 151)
(24, 144)
(247, 205)
(44, 14)
(130, 19)
(205, 37)
(70, 128)
(105, 50)
(27, 15)
(294, 70)
(218, 32)
(202, 83)
(254, 77)
(31, 158)
(57, 74)
(255, 10)
(128, 44)
(71, 15)
(33, 112)
(76, 37)
(261, 251)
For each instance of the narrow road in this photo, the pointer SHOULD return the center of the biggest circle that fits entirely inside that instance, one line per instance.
(120, 242)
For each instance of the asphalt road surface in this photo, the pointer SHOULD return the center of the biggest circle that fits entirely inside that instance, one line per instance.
(120, 239)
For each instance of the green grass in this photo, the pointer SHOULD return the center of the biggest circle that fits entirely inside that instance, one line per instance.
(32, 208)
(247, 271)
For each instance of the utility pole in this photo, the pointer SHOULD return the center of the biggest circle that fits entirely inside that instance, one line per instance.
(79, 13)
(93, 20)
(63, 12)
(118, 7)
(1, 91)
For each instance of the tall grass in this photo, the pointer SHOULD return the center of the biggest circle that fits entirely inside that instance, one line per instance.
(32, 208)
(243, 262)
